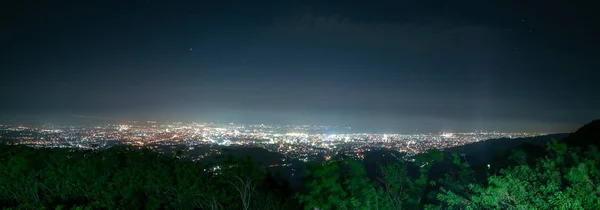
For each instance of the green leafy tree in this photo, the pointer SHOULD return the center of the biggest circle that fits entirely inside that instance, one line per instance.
(565, 179)
(339, 184)
(399, 189)
(127, 178)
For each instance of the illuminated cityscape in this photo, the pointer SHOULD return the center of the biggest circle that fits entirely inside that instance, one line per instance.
(290, 105)
(301, 142)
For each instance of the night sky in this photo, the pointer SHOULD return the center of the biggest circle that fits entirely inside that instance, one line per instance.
(386, 66)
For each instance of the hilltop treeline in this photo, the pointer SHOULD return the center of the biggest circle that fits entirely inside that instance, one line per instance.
(564, 177)
(128, 178)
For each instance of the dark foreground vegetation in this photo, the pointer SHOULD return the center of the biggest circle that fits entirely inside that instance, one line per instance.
(563, 175)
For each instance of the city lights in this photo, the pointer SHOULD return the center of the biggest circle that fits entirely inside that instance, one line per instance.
(303, 142)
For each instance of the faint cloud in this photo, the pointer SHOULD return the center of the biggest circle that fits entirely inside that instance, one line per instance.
(435, 35)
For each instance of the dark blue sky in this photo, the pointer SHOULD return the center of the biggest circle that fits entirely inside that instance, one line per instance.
(383, 65)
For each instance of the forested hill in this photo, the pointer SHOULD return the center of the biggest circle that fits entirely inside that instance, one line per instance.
(132, 178)
(589, 134)
(485, 152)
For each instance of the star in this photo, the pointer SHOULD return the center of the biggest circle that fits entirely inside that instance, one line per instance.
(190, 49)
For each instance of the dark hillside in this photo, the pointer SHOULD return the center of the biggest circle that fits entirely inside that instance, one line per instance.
(481, 153)
(589, 134)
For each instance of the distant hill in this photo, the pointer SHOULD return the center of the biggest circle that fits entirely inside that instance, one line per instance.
(493, 151)
(481, 153)
(498, 152)
(589, 134)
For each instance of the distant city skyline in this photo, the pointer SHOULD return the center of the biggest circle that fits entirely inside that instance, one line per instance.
(81, 120)
(298, 142)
